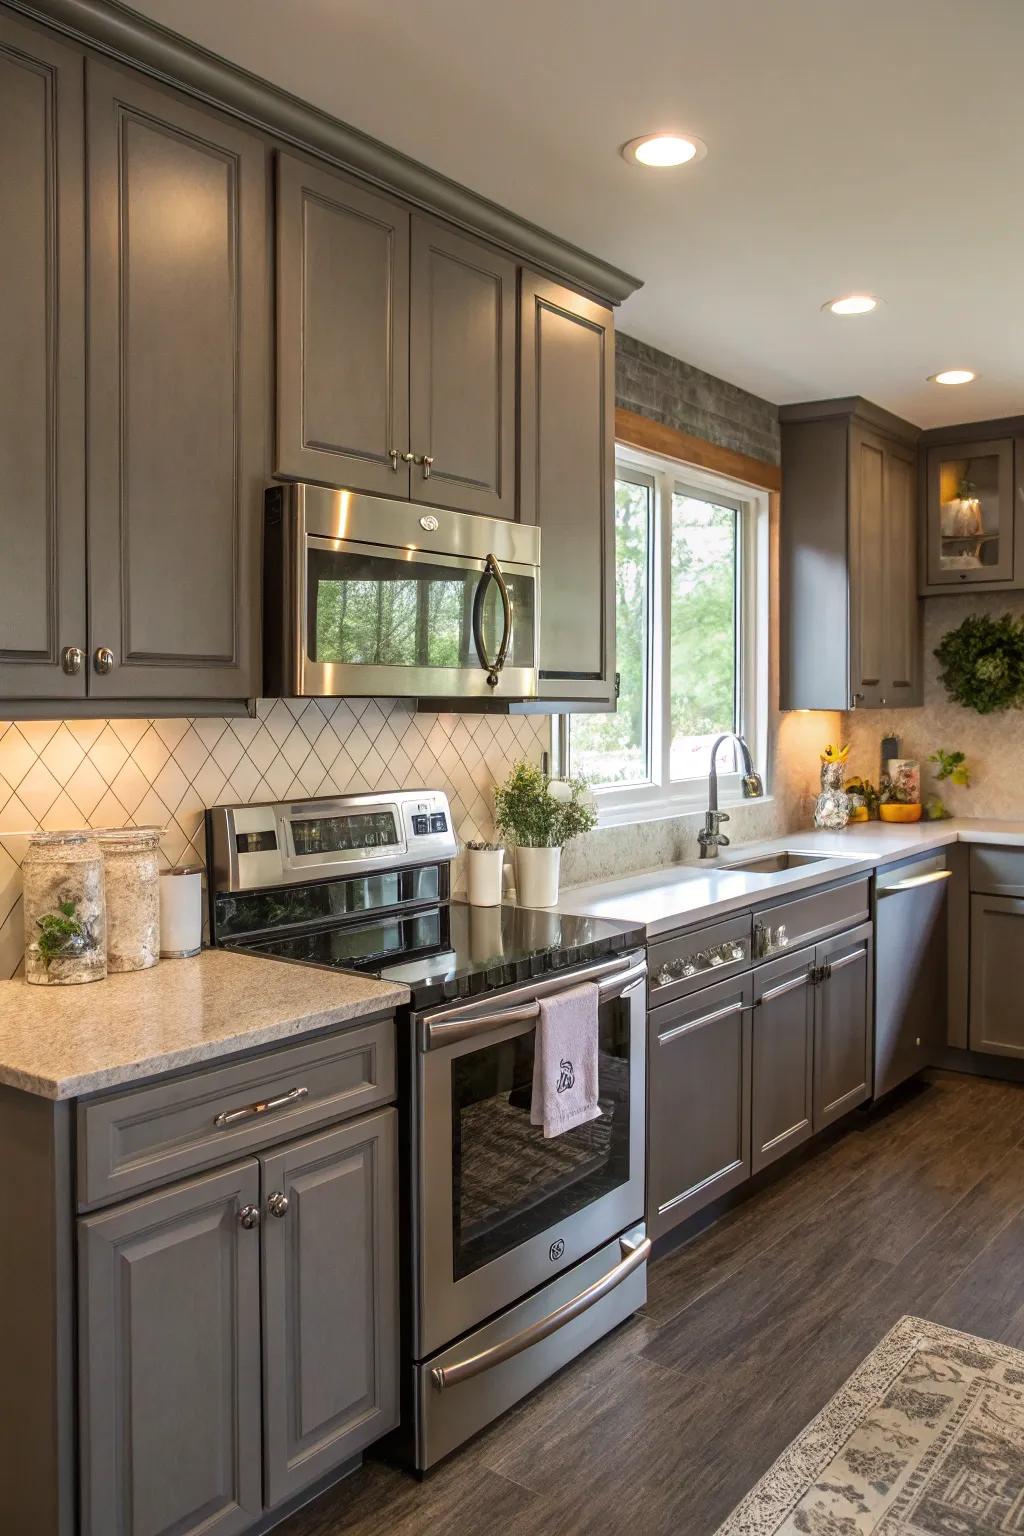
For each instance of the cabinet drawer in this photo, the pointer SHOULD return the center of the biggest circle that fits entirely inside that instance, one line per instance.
(810, 918)
(997, 871)
(691, 960)
(134, 1140)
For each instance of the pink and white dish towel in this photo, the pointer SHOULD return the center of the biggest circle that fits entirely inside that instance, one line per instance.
(565, 1071)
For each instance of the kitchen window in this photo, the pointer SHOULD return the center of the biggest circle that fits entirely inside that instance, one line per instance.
(691, 642)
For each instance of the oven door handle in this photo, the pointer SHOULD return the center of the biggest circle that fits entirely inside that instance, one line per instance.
(466, 1027)
(634, 1253)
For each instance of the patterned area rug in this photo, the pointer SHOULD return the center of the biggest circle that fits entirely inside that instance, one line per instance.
(925, 1439)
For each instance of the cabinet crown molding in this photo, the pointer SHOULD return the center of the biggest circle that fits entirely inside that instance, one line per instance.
(135, 40)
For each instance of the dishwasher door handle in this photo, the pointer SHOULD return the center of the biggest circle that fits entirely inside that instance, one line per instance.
(914, 881)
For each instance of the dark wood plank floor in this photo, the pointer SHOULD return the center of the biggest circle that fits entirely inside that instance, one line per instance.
(749, 1329)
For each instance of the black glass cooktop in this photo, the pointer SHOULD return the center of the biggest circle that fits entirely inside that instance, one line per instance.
(454, 950)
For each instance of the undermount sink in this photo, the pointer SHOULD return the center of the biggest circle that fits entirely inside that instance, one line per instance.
(774, 863)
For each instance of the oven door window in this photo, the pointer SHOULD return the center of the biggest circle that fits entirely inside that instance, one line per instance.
(508, 1182)
(383, 610)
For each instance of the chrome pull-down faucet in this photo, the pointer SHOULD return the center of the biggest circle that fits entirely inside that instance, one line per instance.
(709, 837)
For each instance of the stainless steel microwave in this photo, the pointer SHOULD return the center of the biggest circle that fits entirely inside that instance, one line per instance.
(367, 595)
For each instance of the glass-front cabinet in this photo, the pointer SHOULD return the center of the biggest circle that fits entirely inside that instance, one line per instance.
(974, 528)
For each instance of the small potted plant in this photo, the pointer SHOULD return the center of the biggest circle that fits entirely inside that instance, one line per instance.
(954, 767)
(540, 815)
(484, 865)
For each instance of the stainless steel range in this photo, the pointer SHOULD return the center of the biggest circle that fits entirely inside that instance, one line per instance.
(519, 1252)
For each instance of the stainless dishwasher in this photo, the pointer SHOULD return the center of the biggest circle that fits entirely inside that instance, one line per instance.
(910, 967)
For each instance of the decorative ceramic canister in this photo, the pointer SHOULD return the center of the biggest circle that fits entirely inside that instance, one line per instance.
(65, 914)
(905, 778)
(131, 864)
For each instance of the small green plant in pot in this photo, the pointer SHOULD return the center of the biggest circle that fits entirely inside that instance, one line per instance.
(540, 815)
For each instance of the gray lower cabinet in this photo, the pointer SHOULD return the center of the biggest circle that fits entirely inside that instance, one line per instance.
(699, 1054)
(997, 975)
(178, 327)
(782, 1089)
(567, 483)
(42, 395)
(238, 1334)
(330, 1300)
(843, 1044)
(342, 331)
(169, 1359)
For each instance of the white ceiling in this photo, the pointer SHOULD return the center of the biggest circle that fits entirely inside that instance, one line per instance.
(852, 144)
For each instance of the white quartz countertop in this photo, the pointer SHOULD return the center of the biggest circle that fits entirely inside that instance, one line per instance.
(62, 1042)
(679, 894)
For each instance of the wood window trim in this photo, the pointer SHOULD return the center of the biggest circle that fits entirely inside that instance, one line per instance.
(655, 437)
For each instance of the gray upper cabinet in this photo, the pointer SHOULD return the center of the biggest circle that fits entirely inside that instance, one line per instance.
(462, 372)
(782, 1088)
(843, 1044)
(567, 483)
(850, 625)
(972, 531)
(699, 1101)
(42, 400)
(997, 975)
(330, 1298)
(342, 331)
(169, 1360)
(178, 333)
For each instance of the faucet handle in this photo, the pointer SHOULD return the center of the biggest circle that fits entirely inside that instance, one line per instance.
(723, 841)
(723, 816)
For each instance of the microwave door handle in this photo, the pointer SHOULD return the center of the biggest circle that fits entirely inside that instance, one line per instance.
(492, 571)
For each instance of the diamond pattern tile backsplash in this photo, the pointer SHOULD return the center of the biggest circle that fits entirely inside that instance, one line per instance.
(56, 774)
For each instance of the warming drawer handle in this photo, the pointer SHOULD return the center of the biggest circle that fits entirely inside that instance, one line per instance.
(261, 1107)
(633, 1255)
(914, 882)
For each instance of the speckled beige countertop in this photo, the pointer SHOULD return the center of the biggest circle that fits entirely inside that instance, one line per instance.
(62, 1042)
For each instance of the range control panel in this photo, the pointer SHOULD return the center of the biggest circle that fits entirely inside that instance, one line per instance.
(253, 846)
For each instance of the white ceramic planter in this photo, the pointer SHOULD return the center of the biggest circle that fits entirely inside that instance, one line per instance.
(483, 876)
(537, 871)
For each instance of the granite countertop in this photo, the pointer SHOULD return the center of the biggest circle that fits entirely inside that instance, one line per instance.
(62, 1042)
(674, 896)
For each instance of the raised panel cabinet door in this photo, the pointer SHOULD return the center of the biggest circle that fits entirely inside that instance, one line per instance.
(901, 673)
(698, 1130)
(178, 393)
(997, 975)
(330, 1300)
(782, 1063)
(42, 363)
(462, 372)
(169, 1360)
(868, 621)
(567, 483)
(342, 331)
(843, 1046)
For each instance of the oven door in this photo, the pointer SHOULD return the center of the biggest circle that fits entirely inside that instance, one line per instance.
(499, 1209)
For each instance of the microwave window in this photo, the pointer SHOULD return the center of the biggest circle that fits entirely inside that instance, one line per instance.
(381, 611)
(341, 834)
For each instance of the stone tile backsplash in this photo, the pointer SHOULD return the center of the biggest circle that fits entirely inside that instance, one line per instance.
(56, 774)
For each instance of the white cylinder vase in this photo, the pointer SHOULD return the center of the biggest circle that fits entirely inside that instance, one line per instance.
(483, 876)
(537, 872)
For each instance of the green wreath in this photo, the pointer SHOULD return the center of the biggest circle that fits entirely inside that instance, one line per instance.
(982, 663)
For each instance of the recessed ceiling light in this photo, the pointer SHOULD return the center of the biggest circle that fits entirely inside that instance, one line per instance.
(952, 376)
(664, 149)
(852, 304)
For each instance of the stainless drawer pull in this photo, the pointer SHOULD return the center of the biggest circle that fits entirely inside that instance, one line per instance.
(261, 1107)
(633, 1255)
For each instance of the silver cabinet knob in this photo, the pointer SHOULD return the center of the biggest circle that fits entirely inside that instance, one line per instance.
(249, 1217)
(103, 660)
(71, 658)
(409, 458)
(277, 1203)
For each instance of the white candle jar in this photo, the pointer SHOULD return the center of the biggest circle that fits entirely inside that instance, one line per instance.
(131, 868)
(65, 917)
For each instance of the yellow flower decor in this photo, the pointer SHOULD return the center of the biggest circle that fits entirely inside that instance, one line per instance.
(835, 754)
